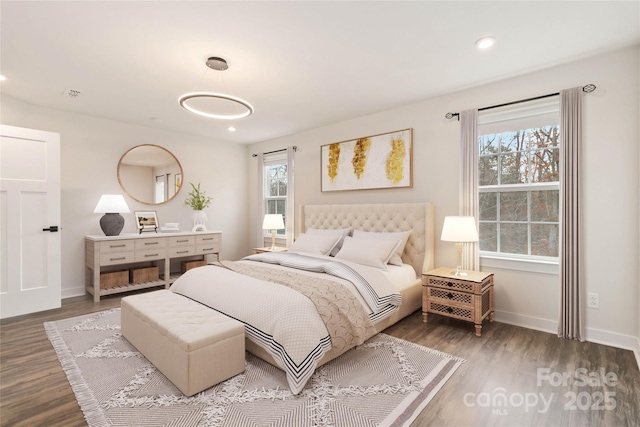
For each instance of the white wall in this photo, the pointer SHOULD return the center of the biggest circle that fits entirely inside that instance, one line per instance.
(90, 150)
(611, 185)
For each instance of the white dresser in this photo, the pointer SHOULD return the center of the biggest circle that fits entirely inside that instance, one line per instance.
(132, 252)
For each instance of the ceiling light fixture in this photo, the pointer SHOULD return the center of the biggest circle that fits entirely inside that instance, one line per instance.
(2, 78)
(221, 106)
(485, 42)
(231, 129)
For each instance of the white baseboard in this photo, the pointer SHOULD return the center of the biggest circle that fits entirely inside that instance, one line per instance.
(625, 342)
(530, 322)
(73, 292)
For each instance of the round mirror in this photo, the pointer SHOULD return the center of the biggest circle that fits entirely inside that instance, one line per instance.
(150, 174)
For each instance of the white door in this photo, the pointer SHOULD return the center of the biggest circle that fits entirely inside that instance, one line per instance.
(30, 267)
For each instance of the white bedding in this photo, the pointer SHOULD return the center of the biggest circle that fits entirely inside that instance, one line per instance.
(283, 321)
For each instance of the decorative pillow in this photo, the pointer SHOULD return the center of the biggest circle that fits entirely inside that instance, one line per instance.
(403, 236)
(342, 232)
(372, 252)
(315, 244)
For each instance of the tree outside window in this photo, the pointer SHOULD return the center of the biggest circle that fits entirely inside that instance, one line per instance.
(519, 192)
(276, 191)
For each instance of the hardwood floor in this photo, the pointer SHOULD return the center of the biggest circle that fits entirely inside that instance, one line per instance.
(512, 376)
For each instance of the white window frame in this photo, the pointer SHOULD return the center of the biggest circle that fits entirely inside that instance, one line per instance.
(520, 262)
(274, 159)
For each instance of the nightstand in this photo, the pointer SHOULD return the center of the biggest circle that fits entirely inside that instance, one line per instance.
(261, 250)
(467, 298)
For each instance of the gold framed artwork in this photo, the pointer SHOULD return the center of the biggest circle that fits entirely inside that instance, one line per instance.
(370, 162)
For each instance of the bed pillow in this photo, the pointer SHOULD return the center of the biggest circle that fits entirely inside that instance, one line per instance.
(315, 244)
(372, 252)
(403, 236)
(342, 232)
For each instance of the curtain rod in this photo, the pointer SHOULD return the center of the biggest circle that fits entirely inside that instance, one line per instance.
(275, 151)
(586, 89)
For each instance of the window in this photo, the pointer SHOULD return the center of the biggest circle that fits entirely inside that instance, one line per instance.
(519, 181)
(275, 188)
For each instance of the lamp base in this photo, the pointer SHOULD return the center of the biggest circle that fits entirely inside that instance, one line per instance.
(112, 224)
(459, 272)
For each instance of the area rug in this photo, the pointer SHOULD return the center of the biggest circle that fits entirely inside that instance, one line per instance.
(384, 382)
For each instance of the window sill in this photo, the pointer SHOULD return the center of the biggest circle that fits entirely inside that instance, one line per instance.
(519, 264)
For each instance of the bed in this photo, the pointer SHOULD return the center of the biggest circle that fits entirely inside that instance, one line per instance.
(336, 294)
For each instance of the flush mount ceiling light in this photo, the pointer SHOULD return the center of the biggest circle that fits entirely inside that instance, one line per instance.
(485, 42)
(216, 105)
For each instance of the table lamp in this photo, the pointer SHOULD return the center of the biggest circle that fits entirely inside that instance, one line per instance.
(459, 229)
(112, 205)
(273, 222)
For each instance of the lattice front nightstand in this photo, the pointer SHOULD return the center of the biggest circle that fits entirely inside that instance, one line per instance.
(467, 298)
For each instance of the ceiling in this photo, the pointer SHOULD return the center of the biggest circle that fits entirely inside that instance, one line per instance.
(300, 64)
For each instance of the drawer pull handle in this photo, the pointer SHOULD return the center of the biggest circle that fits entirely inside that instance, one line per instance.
(117, 246)
(150, 255)
(182, 241)
(182, 252)
(117, 259)
(207, 238)
(449, 295)
(450, 310)
(150, 243)
(207, 249)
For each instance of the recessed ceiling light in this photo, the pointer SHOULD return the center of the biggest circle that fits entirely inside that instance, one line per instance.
(485, 42)
(231, 129)
(2, 78)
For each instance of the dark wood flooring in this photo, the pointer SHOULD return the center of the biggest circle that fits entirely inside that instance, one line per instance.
(512, 376)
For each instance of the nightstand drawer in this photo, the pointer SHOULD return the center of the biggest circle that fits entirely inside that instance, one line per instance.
(446, 296)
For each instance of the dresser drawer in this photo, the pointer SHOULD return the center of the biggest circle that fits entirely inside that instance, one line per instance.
(182, 251)
(146, 244)
(116, 246)
(209, 248)
(150, 254)
(207, 239)
(180, 241)
(207, 244)
(117, 258)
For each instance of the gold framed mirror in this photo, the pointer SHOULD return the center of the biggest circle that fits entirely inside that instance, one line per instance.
(150, 174)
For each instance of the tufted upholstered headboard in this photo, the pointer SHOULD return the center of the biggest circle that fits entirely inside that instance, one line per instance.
(387, 217)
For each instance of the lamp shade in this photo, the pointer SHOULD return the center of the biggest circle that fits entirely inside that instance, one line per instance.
(459, 229)
(273, 222)
(112, 203)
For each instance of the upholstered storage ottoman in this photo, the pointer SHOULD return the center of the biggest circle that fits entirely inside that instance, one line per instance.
(194, 346)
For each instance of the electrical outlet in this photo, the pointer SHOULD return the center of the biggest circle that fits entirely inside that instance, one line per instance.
(593, 300)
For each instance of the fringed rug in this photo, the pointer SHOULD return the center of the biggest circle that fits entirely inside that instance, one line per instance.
(384, 382)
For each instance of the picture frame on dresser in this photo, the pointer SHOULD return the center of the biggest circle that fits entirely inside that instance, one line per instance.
(146, 220)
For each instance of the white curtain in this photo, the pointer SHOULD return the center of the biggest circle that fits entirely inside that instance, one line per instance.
(572, 296)
(291, 213)
(260, 195)
(468, 203)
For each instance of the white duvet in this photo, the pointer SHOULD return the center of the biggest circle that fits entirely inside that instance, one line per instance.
(279, 319)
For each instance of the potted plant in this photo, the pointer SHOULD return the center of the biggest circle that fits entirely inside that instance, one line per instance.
(198, 201)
